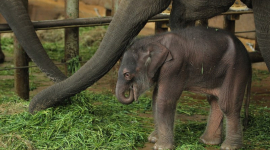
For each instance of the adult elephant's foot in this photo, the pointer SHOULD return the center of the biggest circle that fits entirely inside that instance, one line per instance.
(163, 145)
(210, 140)
(231, 144)
(153, 137)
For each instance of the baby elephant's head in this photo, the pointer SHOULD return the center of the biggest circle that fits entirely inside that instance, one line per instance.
(139, 66)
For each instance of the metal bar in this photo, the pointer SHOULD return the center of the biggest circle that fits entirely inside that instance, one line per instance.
(21, 76)
(71, 34)
(80, 22)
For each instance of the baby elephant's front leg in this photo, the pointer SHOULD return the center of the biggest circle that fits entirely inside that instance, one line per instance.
(164, 119)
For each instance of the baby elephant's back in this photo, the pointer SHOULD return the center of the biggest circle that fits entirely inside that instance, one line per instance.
(212, 45)
(211, 52)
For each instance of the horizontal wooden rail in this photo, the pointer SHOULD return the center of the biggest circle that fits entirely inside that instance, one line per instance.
(80, 22)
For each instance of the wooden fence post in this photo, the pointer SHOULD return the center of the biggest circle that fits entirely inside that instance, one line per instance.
(71, 34)
(161, 26)
(115, 4)
(21, 76)
(229, 22)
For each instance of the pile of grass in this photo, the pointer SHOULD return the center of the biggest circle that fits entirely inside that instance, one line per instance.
(98, 121)
(88, 121)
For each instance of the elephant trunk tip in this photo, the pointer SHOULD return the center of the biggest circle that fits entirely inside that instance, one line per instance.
(121, 96)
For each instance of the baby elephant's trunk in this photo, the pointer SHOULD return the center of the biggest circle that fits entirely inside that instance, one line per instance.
(121, 91)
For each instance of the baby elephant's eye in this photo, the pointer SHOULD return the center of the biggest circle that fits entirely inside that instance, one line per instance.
(127, 76)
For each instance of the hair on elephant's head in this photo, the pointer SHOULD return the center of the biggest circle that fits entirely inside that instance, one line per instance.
(139, 69)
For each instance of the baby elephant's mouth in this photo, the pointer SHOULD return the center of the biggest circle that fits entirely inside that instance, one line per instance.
(135, 91)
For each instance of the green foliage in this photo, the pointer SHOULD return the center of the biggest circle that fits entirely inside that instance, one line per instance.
(258, 75)
(258, 131)
(7, 44)
(7, 72)
(186, 105)
(95, 121)
(74, 64)
(6, 98)
(6, 84)
(90, 38)
(79, 124)
(55, 50)
(187, 135)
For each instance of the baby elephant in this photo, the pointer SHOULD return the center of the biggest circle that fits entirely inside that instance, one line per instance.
(198, 59)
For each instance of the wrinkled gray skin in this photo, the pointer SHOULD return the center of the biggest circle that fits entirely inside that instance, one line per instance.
(129, 19)
(197, 59)
(18, 19)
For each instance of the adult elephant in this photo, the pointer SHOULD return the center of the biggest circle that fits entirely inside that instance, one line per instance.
(18, 19)
(130, 18)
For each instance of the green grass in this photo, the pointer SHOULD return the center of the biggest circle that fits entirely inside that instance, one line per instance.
(98, 121)
(79, 124)
(90, 38)
(7, 44)
(7, 72)
(259, 75)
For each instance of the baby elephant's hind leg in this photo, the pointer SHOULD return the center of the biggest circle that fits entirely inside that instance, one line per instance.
(213, 132)
(230, 104)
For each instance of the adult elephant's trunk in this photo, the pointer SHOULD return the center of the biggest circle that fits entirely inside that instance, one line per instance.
(129, 19)
(121, 89)
(262, 15)
(18, 19)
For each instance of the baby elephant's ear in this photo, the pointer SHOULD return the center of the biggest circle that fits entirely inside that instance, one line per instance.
(159, 54)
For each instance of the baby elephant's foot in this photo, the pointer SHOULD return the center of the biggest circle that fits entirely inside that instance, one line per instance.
(210, 141)
(226, 145)
(153, 137)
(163, 146)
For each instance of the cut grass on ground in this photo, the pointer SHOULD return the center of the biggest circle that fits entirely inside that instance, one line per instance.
(96, 121)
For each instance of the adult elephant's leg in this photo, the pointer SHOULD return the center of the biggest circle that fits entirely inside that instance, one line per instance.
(129, 19)
(261, 10)
(186, 12)
(2, 56)
(18, 19)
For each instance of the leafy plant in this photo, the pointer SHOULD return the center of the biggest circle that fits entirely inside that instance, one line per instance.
(74, 64)
(7, 44)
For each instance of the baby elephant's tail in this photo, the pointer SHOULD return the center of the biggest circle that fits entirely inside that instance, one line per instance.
(247, 101)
